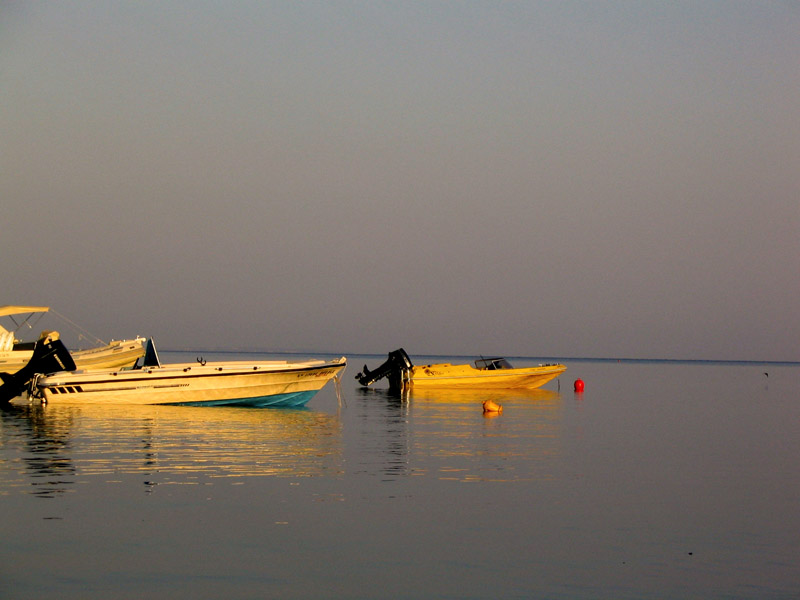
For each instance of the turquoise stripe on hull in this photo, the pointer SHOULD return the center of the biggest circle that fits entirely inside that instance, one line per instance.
(291, 400)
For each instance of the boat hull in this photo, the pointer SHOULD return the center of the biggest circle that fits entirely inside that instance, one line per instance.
(289, 400)
(116, 355)
(273, 384)
(446, 375)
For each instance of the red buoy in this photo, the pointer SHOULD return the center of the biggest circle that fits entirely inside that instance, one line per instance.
(579, 385)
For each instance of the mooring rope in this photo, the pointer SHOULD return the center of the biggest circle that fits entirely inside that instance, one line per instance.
(337, 385)
(82, 333)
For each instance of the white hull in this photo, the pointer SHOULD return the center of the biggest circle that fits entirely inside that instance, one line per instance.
(116, 355)
(15, 354)
(270, 383)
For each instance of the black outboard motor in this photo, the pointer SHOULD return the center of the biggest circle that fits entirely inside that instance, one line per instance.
(394, 369)
(49, 356)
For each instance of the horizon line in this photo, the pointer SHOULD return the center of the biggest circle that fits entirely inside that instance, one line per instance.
(510, 356)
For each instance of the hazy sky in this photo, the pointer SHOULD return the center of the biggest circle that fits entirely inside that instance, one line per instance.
(522, 178)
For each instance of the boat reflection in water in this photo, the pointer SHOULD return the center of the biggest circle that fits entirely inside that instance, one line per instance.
(37, 452)
(165, 444)
(445, 433)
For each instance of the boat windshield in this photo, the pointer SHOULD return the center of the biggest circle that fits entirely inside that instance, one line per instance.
(492, 364)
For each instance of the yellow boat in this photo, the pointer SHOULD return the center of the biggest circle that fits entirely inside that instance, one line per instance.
(488, 373)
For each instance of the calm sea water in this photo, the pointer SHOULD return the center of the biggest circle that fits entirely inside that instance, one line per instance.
(660, 480)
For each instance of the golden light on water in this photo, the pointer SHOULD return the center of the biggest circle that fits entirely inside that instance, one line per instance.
(184, 444)
(445, 434)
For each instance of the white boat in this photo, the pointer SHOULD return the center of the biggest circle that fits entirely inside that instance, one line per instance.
(274, 383)
(15, 354)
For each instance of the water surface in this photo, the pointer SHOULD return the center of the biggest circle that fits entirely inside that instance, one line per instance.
(667, 480)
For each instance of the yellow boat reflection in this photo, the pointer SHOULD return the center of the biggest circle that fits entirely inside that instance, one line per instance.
(446, 434)
(479, 396)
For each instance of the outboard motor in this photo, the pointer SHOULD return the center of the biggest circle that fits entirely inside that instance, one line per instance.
(395, 367)
(49, 356)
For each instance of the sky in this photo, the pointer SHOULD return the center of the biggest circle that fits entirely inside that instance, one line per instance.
(571, 179)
